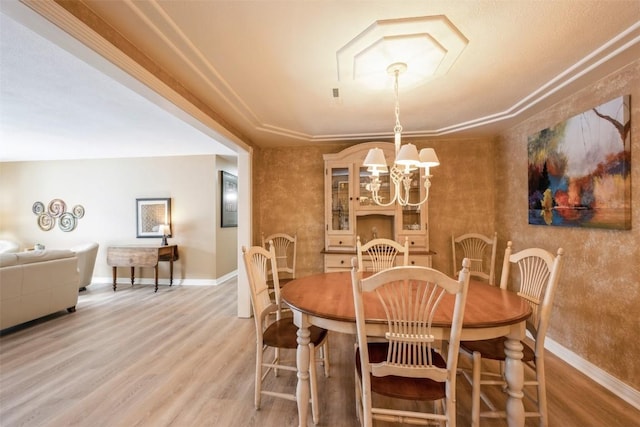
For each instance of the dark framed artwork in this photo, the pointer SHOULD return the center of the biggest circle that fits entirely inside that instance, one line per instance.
(580, 170)
(229, 200)
(152, 213)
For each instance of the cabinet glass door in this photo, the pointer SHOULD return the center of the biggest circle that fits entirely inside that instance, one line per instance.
(411, 215)
(340, 198)
(364, 197)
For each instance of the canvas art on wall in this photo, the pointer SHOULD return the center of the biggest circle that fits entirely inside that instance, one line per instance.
(580, 170)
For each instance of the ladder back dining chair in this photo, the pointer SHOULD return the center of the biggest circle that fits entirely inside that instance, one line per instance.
(481, 250)
(380, 254)
(279, 333)
(537, 278)
(407, 365)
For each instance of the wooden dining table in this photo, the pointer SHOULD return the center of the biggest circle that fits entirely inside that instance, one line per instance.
(326, 300)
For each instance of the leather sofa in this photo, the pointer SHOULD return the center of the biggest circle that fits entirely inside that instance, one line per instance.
(34, 284)
(86, 254)
(8, 246)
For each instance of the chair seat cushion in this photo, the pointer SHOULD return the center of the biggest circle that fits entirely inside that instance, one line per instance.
(493, 349)
(402, 387)
(283, 333)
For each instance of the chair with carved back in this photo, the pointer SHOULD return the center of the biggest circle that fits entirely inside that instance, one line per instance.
(380, 254)
(537, 279)
(279, 333)
(285, 246)
(481, 250)
(406, 364)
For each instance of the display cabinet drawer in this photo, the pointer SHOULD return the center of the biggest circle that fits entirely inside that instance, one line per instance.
(420, 260)
(415, 242)
(341, 242)
(336, 262)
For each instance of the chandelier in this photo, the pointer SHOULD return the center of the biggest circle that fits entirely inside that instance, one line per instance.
(407, 162)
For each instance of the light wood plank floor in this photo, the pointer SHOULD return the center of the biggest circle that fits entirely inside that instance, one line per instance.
(181, 357)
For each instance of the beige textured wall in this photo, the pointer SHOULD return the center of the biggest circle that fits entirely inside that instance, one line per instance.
(595, 313)
(288, 198)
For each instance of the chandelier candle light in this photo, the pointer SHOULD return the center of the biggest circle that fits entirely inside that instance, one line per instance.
(407, 161)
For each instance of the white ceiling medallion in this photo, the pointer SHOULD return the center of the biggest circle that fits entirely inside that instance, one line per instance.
(429, 44)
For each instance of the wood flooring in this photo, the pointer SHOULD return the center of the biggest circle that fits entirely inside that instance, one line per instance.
(181, 357)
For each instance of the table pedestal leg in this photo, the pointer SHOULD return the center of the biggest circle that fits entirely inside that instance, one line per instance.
(302, 362)
(514, 374)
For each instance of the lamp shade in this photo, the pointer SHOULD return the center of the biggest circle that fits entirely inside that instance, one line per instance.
(375, 159)
(408, 156)
(164, 229)
(428, 158)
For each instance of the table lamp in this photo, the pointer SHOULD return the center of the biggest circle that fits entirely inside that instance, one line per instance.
(165, 230)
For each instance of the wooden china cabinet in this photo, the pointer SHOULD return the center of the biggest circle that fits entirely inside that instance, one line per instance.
(350, 211)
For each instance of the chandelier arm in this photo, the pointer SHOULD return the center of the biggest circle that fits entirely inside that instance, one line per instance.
(405, 183)
(378, 201)
(427, 184)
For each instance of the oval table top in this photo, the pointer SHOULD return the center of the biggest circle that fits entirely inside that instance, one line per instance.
(330, 296)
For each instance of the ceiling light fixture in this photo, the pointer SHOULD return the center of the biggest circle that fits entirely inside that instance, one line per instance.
(407, 161)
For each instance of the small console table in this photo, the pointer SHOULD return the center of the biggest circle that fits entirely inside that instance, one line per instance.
(141, 256)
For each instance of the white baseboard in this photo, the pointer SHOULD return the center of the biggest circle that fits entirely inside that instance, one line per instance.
(184, 282)
(611, 383)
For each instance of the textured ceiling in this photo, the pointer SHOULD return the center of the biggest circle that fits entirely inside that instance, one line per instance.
(269, 68)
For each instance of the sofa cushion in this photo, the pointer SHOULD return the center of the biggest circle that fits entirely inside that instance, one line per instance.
(46, 255)
(8, 246)
(8, 259)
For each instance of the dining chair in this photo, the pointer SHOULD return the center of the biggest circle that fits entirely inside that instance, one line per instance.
(538, 274)
(381, 253)
(476, 247)
(279, 333)
(407, 365)
(285, 246)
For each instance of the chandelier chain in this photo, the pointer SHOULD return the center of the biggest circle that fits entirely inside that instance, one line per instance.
(398, 127)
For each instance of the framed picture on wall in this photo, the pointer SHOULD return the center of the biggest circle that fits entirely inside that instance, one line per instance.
(229, 200)
(580, 170)
(151, 214)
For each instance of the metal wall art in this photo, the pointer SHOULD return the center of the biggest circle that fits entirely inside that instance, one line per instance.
(56, 211)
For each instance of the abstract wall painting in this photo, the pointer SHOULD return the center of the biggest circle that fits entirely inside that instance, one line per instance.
(580, 170)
